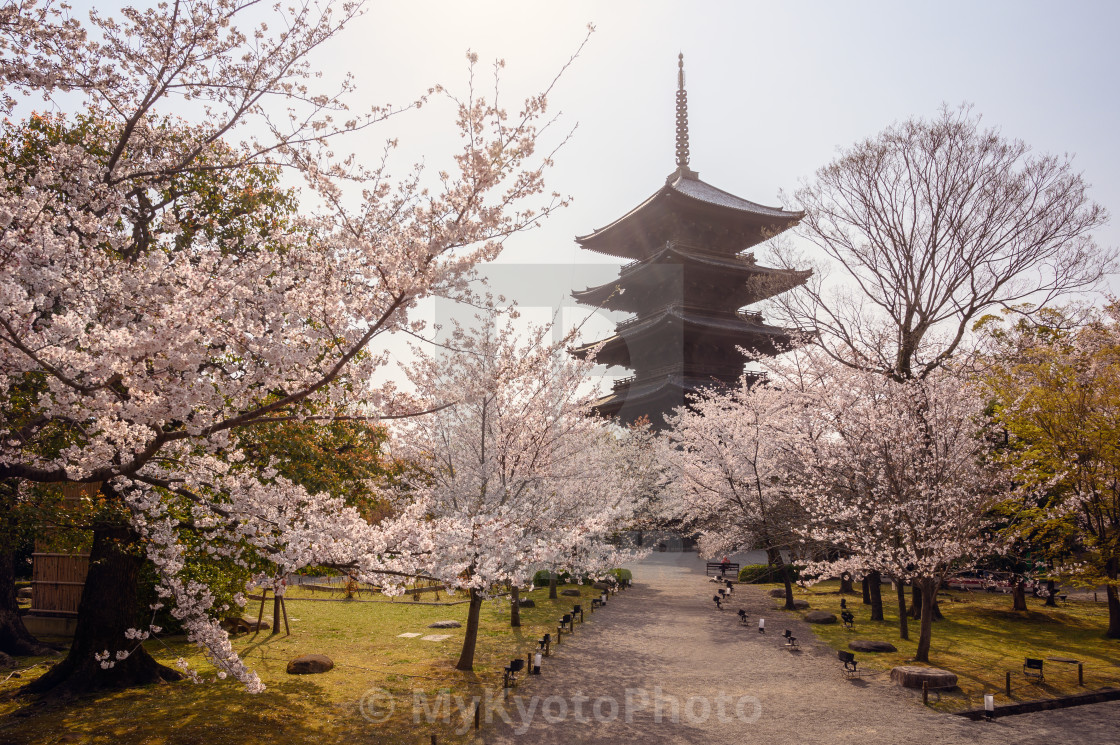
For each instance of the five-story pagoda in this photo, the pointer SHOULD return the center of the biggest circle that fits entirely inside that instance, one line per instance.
(687, 284)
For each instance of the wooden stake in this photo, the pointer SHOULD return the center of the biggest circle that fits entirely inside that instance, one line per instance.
(925, 692)
(1008, 683)
(1080, 673)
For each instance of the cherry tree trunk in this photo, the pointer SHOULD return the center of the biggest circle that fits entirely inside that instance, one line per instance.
(15, 639)
(917, 603)
(108, 608)
(928, 588)
(1113, 599)
(1051, 594)
(466, 657)
(866, 589)
(1019, 596)
(515, 606)
(552, 585)
(846, 587)
(875, 585)
(903, 627)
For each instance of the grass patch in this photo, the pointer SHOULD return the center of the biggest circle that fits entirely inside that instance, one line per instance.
(980, 640)
(360, 637)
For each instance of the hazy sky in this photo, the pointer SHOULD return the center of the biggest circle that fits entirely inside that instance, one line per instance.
(775, 88)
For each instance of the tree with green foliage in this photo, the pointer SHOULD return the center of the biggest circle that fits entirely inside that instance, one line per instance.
(1057, 393)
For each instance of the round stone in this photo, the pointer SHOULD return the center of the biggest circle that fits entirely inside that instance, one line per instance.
(869, 645)
(445, 625)
(309, 664)
(526, 603)
(778, 593)
(571, 593)
(820, 616)
(800, 604)
(912, 676)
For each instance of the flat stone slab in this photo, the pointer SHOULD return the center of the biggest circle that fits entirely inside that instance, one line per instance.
(778, 593)
(869, 645)
(435, 637)
(912, 676)
(408, 635)
(310, 664)
(571, 593)
(445, 625)
(820, 616)
(801, 604)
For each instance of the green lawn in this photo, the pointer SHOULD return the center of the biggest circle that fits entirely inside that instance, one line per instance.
(360, 637)
(981, 639)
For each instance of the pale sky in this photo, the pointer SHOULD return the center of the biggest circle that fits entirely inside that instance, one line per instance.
(775, 89)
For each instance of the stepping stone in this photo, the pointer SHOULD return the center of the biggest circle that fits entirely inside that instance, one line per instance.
(571, 593)
(912, 676)
(310, 664)
(820, 616)
(409, 635)
(435, 637)
(801, 604)
(868, 645)
(445, 625)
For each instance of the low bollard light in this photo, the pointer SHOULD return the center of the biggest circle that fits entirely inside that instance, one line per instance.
(989, 705)
(762, 625)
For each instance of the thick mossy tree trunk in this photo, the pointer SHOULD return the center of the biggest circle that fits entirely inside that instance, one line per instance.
(15, 639)
(928, 588)
(865, 587)
(903, 626)
(108, 608)
(875, 586)
(1019, 595)
(515, 606)
(1113, 568)
(466, 657)
(552, 585)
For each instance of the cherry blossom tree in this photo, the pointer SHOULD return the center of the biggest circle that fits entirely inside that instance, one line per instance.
(902, 478)
(513, 470)
(730, 456)
(161, 290)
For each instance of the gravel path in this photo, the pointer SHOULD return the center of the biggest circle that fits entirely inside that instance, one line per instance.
(660, 665)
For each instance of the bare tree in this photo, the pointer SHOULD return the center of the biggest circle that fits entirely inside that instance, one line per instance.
(933, 223)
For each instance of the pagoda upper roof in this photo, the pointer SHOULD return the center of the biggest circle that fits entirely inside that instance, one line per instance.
(747, 281)
(682, 193)
(740, 328)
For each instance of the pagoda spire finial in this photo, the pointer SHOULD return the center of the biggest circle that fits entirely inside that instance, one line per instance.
(682, 116)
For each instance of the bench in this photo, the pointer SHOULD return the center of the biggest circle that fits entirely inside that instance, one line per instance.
(791, 640)
(511, 671)
(718, 600)
(847, 618)
(546, 644)
(577, 609)
(565, 622)
(716, 569)
(850, 664)
(1032, 668)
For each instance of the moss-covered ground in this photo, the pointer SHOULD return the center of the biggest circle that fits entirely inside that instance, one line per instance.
(362, 640)
(981, 639)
